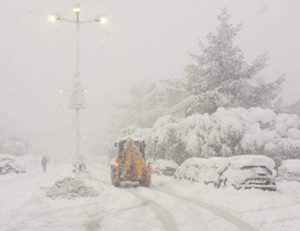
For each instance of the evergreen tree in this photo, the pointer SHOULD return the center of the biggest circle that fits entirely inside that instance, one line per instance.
(220, 76)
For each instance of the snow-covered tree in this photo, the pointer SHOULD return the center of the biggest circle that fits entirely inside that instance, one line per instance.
(226, 132)
(15, 146)
(220, 76)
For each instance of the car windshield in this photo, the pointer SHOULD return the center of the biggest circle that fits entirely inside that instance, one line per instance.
(262, 169)
(296, 174)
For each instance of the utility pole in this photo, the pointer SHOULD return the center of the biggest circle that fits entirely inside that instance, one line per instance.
(77, 102)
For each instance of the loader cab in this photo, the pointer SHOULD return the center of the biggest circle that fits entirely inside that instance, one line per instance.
(138, 143)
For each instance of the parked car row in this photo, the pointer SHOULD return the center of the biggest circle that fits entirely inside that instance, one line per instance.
(240, 172)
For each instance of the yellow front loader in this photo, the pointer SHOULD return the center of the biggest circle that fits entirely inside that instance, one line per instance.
(130, 165)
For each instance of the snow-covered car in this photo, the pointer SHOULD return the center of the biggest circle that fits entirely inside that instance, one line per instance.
(289, 170)
(250, 171)
(8, 165)
(164, 167)
(203, 170)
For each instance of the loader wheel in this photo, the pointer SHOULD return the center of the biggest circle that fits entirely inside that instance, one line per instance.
(117, 184)
(145, 184)
(116, 181)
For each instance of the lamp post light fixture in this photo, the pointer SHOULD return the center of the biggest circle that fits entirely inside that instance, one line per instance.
(76, 8)
(77, 101)
(102, 19)
(53, 17)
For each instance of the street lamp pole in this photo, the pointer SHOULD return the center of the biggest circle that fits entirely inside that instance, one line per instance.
(77, 102)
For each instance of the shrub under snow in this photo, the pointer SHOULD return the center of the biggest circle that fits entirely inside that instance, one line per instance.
(224, 133)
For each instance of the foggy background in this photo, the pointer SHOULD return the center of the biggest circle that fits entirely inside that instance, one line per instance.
(143, 40)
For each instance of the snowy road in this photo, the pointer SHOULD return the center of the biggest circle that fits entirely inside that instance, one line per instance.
(173, 212)
(167, 205)
(176, 212)
(163, 215)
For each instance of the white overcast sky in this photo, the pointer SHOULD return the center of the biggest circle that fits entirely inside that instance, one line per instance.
(144, 40)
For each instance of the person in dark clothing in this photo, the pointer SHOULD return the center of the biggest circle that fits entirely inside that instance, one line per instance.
(44, 163)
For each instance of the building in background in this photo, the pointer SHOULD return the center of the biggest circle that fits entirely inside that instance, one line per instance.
(294, 108)
(151, 100)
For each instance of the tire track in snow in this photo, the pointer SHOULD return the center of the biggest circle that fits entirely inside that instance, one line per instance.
(193, 213)
(163, 215)
(222, 213)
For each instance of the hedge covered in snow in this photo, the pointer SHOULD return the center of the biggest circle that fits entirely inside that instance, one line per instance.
(226, 132)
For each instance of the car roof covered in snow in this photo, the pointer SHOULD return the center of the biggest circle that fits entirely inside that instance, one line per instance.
(291, 165)
(196, 162)
(163, 163)
(240, 161)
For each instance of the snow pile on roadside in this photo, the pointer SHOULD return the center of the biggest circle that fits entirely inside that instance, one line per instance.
(69, 188)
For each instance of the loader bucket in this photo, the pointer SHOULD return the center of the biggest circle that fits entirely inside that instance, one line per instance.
(129, 184)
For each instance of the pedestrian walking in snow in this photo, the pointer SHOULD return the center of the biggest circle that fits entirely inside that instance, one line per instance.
(44, 163)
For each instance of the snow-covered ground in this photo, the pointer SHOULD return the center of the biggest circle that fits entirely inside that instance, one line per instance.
(168, 205)
(262, 210)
